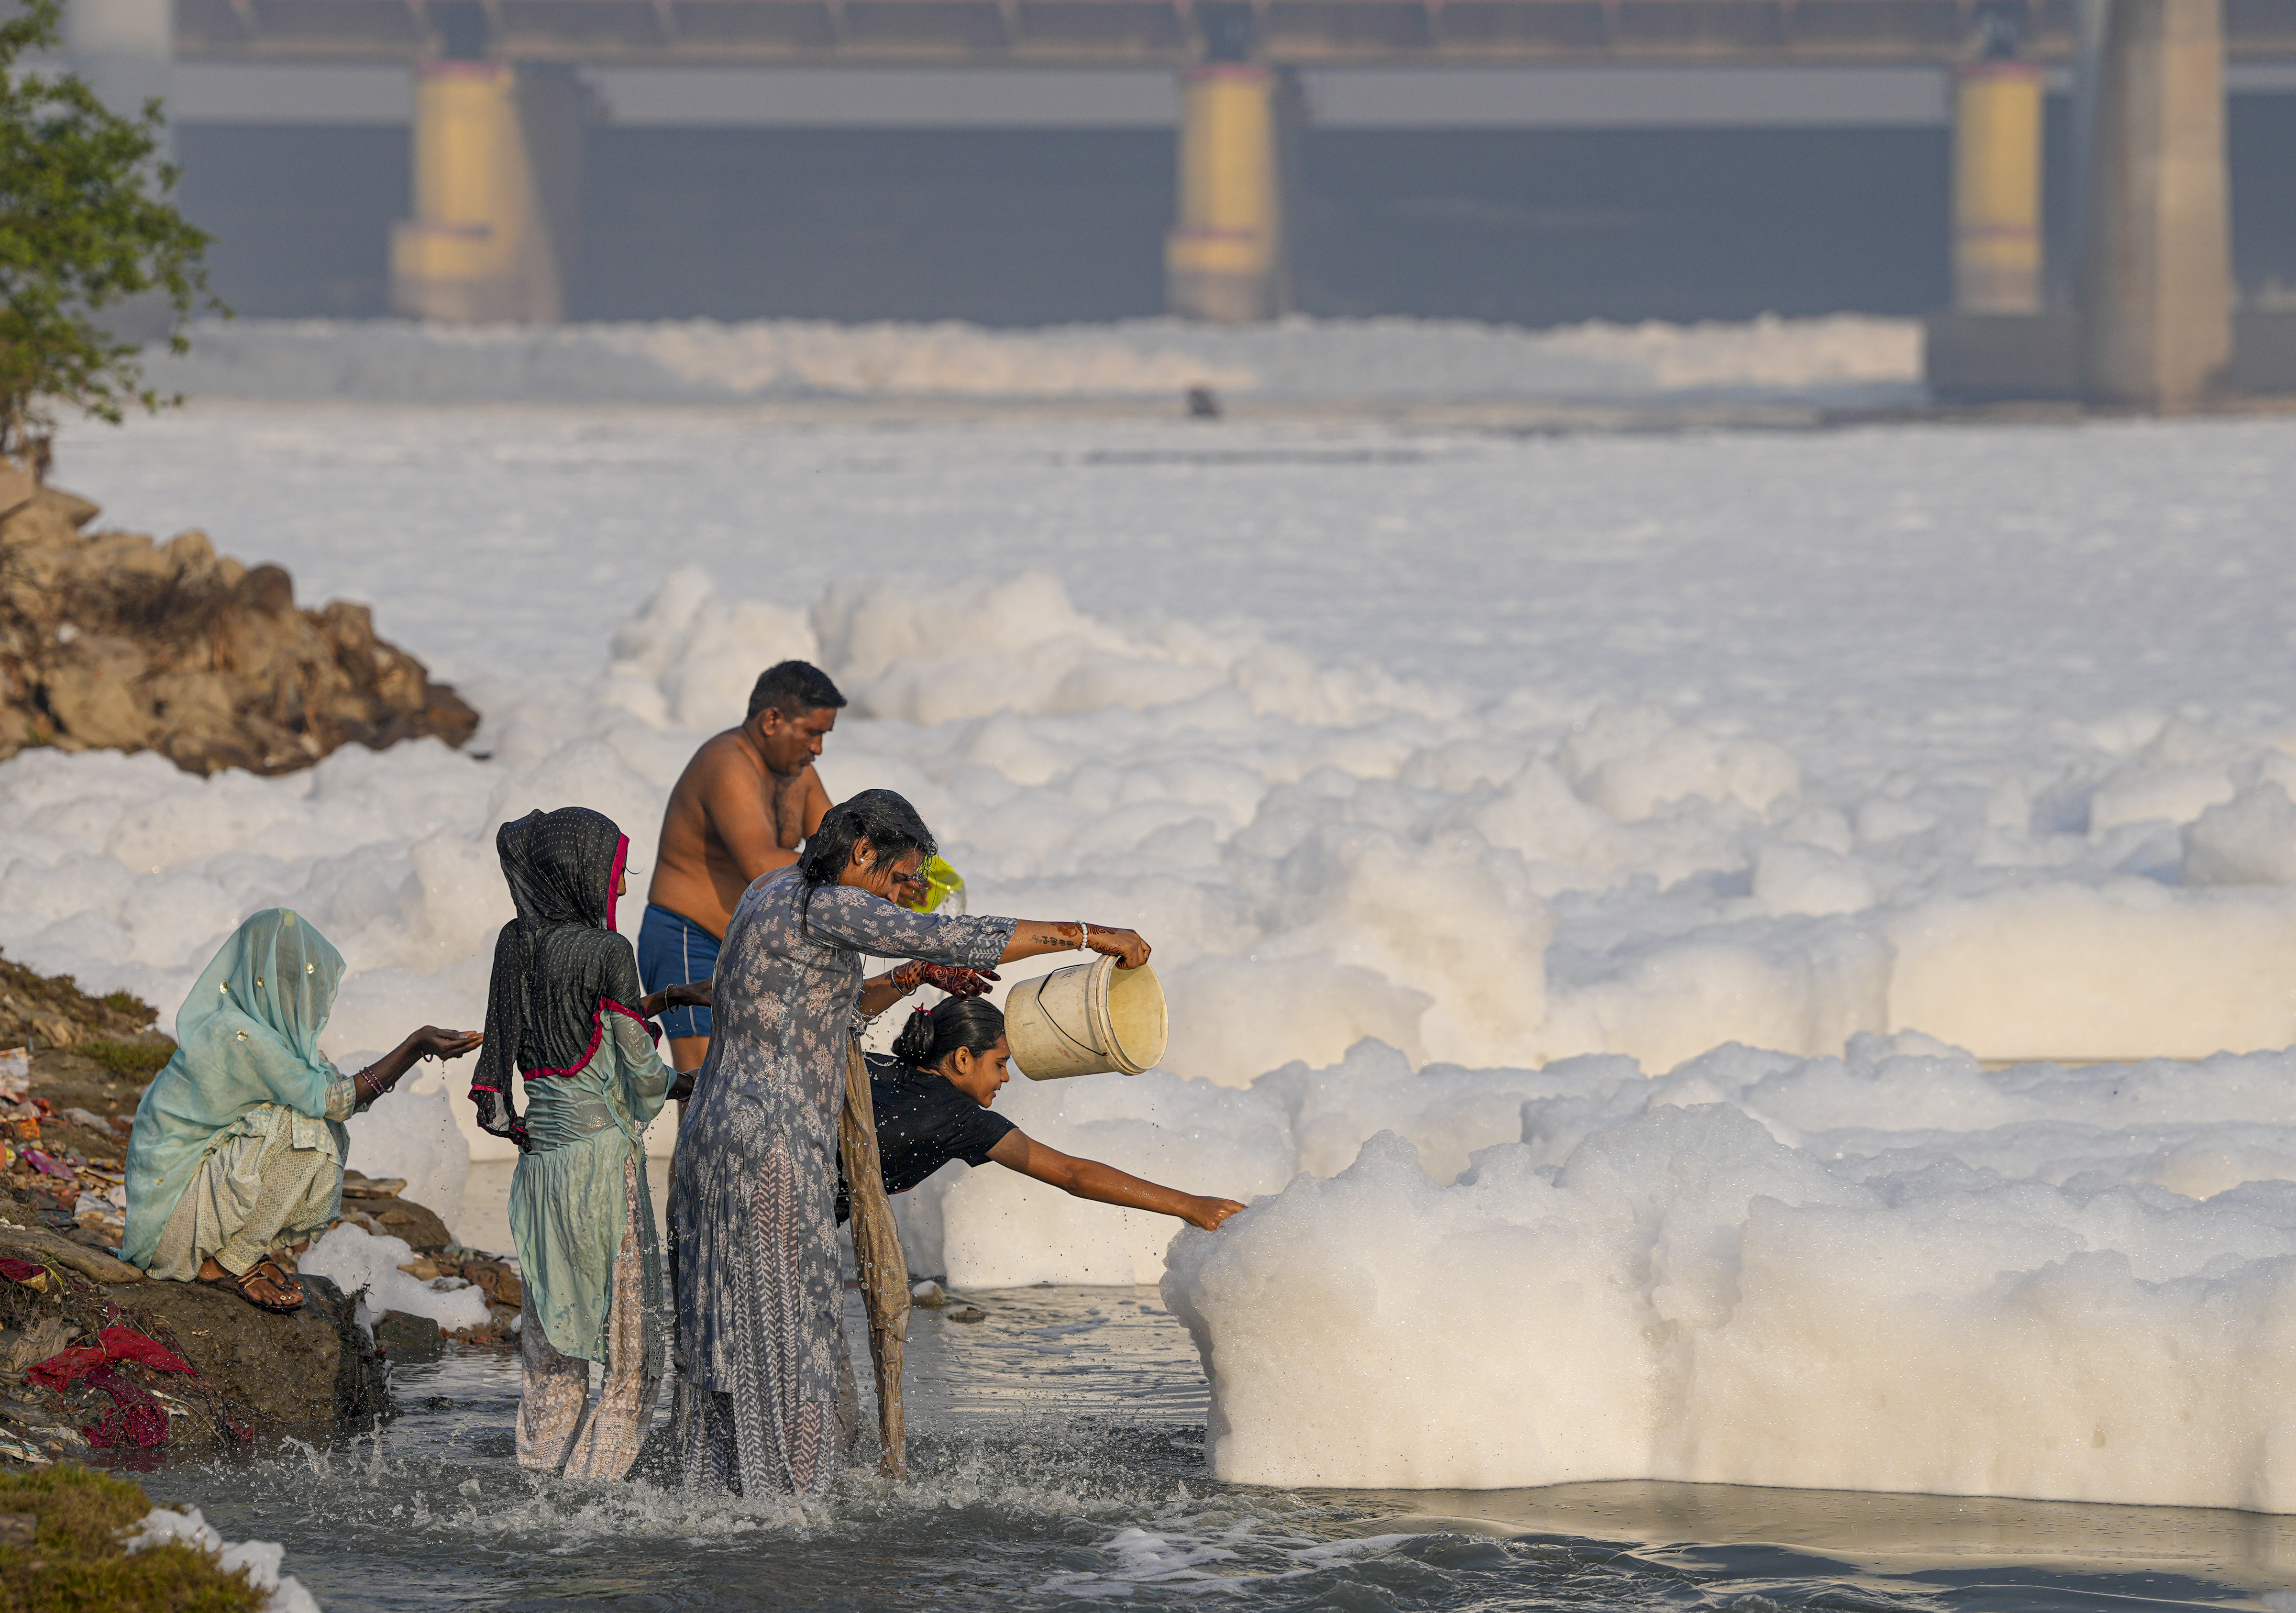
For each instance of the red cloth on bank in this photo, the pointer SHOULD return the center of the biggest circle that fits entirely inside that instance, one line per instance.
(125, 1344)
(65, 1367)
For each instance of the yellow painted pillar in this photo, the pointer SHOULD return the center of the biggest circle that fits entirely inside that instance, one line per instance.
(480, 247)
(1223, 262)
(2156, 294)
(1997, 187)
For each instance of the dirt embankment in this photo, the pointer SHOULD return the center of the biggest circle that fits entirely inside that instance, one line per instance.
(109, 641)
(64, 1123)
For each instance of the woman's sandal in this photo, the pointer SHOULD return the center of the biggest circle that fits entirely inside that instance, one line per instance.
(281, 1277)
(263, 1272)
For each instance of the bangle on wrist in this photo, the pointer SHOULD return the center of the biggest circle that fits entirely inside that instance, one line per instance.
(1083, 935)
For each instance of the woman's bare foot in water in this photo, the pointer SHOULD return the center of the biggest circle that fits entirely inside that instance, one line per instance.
(265, 1286)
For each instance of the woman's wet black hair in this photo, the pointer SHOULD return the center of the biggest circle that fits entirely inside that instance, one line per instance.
(931, 1035)
(885, 820)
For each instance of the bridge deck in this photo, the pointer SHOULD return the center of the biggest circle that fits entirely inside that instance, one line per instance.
(1135, 33)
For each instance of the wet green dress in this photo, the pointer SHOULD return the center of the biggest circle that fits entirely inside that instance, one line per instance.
(568, 1204)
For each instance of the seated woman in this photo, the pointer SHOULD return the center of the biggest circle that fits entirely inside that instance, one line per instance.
(933, 1099)
(564, 1009)
(237, 1151)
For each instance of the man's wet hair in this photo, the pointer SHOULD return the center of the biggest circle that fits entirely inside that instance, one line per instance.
(882, 817)
(793, 689)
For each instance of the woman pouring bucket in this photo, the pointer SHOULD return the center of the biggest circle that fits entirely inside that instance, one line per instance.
(754, 1210)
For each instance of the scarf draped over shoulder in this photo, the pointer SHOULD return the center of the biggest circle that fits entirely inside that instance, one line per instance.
(560, 961)
(248, 1035)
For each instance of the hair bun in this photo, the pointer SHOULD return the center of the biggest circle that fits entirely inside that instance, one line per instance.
(913, 1046)
(932, 1033)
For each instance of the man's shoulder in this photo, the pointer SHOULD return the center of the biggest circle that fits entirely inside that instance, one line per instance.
(717, 755)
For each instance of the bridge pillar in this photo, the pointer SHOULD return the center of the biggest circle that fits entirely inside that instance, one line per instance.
(2156, 328)
(1996, 186)
(497, 154)
(1224, 260)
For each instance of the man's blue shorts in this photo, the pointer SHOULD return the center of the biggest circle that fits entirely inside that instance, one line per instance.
(673, 950)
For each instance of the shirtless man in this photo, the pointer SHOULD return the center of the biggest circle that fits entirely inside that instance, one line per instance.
(744, 802)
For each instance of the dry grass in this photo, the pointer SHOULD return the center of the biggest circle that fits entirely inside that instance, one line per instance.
(136, 1061)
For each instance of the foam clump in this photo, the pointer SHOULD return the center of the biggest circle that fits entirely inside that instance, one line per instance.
(1842, 358)
(1657, 1285)
(257, 1561)
(2249, 838)
(354, 1258)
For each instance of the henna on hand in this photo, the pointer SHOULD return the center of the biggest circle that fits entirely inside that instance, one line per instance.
(955, 981)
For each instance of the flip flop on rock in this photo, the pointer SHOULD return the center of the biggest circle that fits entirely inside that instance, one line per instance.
(257, 1277)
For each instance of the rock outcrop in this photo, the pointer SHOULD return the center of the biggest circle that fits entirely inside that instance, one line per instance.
(109, 641)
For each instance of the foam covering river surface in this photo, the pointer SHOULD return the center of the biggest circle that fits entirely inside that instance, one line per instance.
(1711, 954)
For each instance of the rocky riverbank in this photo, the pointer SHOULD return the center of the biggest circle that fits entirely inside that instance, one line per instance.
(111, 641)
(73, 1377)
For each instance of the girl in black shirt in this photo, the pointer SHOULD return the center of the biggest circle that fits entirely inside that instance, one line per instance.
(933, 1099)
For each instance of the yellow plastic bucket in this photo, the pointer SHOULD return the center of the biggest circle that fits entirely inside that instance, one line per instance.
(1086, 1020)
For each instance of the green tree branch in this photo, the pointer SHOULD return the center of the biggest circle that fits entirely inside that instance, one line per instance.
(86, 224)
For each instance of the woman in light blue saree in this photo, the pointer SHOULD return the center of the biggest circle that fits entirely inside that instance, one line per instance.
(237, 1151)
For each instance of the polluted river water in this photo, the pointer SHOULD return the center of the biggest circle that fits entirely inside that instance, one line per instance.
(1801, 742)
(1057, 1461)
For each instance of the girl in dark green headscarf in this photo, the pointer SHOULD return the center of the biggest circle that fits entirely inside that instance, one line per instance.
(238, 1146)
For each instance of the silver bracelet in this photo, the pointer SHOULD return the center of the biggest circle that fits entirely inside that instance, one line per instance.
(1084, 934)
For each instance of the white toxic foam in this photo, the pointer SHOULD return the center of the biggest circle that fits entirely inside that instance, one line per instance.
(354, 1258)
(1841, 358)
(1323, 853)
(1577, 771)
(1897, 1271)
(256, 1561)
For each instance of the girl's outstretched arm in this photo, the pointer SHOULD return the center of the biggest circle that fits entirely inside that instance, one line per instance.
(1090, 1179)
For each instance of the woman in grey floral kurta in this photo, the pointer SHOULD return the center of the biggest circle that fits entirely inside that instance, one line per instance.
(760, 1298)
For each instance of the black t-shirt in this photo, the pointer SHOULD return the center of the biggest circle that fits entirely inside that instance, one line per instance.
(923, 1123)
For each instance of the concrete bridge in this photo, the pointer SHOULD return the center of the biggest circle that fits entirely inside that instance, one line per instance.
(1176, 33)
(500, 104)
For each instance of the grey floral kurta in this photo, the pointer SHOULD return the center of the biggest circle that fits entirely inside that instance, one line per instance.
(760, 1312)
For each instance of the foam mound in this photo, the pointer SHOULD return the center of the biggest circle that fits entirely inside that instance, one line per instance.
(352, 1258)
(1893, 1272)
(1840, 359)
